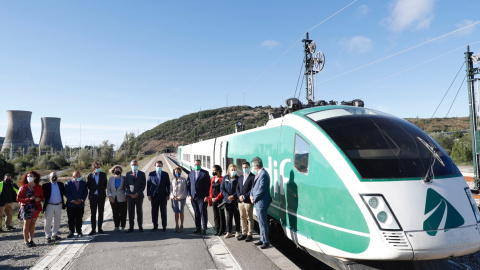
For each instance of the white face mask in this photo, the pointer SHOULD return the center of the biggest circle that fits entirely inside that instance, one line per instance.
(30, 179)
(233, 173)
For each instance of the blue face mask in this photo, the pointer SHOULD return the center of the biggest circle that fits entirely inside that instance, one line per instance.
(98, 170)
(79, 179)
(245, 170)
(177, 175)
(134, 168)
(159, 169)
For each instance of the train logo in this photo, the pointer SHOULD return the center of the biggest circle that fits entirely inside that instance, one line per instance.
(441, 214)
(278, 182)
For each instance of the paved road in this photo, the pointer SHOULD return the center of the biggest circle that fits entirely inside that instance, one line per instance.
(166, 250)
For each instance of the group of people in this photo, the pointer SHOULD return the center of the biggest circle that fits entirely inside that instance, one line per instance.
(231, 193)
(234, 196)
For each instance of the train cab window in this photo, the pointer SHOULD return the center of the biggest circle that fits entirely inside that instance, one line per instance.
(380, 146)
(239, 165)
(302, 151)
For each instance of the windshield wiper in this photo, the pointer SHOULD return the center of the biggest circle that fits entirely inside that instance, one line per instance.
(432, 150)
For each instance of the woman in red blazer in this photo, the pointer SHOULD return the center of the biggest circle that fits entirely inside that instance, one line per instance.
(215, 199)
(30, 197)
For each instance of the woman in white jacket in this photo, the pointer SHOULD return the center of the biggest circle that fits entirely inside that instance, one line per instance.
(117, 197)
(178, 195)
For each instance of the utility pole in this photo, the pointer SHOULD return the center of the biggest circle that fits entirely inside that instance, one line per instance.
(471, 72)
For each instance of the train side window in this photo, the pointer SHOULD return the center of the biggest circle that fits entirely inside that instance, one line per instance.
(229, 161)
(208, 162)
(239, 165)
(302, 151)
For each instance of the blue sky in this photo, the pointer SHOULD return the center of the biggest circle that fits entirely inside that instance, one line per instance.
(120, 66)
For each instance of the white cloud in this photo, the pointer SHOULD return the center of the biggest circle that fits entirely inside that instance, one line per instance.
(270, 43)
(411, 14)
(467, 31)
(357, 44)
(362, 10)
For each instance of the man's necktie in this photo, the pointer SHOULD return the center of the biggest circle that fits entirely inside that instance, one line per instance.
(77, 185)
(134, 176)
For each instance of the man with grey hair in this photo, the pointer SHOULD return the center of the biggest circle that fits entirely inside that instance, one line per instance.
(54, 203)
(260, 196)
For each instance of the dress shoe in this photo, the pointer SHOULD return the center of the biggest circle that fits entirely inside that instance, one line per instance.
(92, 233)
(164, 229)
(249, 238)
(265, 245)
(197, 231)
(242, 237)
(116, 229)
(10, 227)
(100, 231)
(259, 243)
(141, 230)
(204, 232)
(154, 230)
(70, 235)
(130, 230)
(32, 244)
(49, 239)
(56, 237)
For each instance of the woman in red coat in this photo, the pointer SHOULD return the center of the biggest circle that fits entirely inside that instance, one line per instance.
(30, 197)
(215, 199)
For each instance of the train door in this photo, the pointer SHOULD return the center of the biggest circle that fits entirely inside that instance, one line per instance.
(223, 154)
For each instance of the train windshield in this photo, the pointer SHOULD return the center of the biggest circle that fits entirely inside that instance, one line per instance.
(384, 147)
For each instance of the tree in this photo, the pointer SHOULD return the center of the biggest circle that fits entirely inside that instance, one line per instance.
(462, 151)
(106, 156)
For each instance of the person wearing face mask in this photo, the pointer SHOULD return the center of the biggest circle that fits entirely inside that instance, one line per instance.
(76, 193)
(30, 197)
(229, 191)
(97, 186)
(54, 203)
(158, 193)
(260, 196)
(8, 195)
(135, 186)
(117, 197)
(178, 195)
(198, 183)
(245, 207)
(215, 199)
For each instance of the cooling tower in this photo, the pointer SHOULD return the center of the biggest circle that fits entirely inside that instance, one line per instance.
(19, 133)
(51, 133)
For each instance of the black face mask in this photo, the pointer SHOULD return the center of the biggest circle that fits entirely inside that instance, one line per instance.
(8, 180)
(214, 173)
(118, 172)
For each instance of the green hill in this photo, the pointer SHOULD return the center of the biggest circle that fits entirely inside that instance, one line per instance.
(202, 126)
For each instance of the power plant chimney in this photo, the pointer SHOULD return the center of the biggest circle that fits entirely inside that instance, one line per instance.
(51, 133)
(19, 133)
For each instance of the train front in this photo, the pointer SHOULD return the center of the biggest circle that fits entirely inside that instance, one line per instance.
(415, 201)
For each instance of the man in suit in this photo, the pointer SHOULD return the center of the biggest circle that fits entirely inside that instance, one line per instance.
(97, 186)
(135, 183)
(76, 193)
(198, 185)
(245, 207)
(53, 206)
(158, 193)
(260, 196)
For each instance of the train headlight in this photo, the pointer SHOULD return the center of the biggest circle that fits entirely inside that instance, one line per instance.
(373, 202)
(381, 212)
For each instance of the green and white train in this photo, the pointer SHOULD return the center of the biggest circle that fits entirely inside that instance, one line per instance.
(355, 183)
